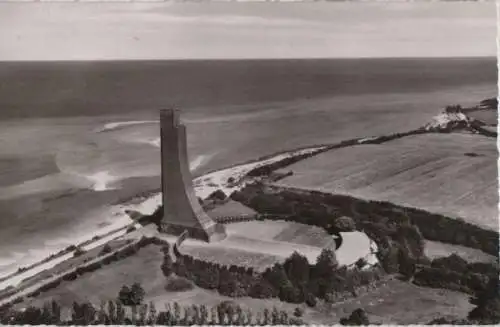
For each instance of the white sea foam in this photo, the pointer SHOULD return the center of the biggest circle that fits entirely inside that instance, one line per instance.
(101, 180)
(115, 125)
(14, 257)
(155, 142)
(33, 255)
(50, 264)
(367, 139)
(199, 161)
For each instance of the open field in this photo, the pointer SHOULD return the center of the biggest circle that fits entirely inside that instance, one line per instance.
(399, 302)
(230, 209)
(438, 249)
(304, 234)
(105, 283)
(430, 172)
(262, 243)
(55, 267)
(254, 243)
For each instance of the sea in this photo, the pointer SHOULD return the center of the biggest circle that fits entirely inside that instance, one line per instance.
(79, 140)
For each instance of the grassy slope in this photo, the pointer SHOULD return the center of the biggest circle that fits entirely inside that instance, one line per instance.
(429, 172)
(402, 303)
(438, 249)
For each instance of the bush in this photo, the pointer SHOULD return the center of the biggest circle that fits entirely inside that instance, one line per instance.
(78, 252)
(70, 248)
(311, 300)
(167, 267)
(361, 263)
(453, 109)
(344, 224)
(452, 262)
(178, 284)
(136, 294)
(70, 276)
(298, 312)
(105, 250)
(217, 195)
(124, 295)
(357, 317)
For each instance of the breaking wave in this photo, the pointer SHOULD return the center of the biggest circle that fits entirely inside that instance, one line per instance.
(114, 125)
(101, 180)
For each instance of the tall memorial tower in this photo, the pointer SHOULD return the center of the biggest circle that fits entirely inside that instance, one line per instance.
(181, 209)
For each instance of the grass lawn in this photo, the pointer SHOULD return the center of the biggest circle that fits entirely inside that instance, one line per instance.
(105, 283)
(401, 303)
(437, 249)
(231, 208)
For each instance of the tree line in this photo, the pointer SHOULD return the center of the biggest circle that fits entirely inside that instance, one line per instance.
(115, 312)
(295, 280)
(380, 217)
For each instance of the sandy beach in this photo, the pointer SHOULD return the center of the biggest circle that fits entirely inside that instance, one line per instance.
(205, 185)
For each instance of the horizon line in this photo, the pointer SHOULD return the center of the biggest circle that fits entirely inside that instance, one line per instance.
(240, 59)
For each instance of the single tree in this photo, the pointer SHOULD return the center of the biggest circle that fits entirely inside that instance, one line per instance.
(105, 249)
(298, 312)
(267, 317)
(297, 268)
(124, 295)
(120, 313)
(357, 317)
(167, 267)
(112, 312)
(176, 314)
(136, 294)
(143, 314)
(102, 316)
(78, 252)
(56, 313)
(152, 315)
(325, 264)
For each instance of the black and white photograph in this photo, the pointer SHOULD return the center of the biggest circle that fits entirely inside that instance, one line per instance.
(249, 163)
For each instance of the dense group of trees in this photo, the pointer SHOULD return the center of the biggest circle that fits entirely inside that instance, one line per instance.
(453, 272)
(383, 219)
(398, 239)
(356, 318)
(114, 313)
(295, 280)
(399, 232)
(133, 295)
(491, 103)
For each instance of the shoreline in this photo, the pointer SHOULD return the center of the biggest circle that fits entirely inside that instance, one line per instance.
(147, 206)
(204, 185)
(32, 270)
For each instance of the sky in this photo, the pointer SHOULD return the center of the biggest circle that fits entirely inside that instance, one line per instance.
(107, 31)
